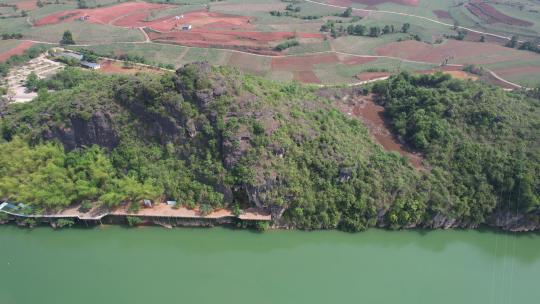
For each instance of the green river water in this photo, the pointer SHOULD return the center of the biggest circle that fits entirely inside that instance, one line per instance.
(113, 264)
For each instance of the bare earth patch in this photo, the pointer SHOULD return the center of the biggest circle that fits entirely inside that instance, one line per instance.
(372, 115)
(301, 63)
(18, 50)
(442, 14)
(457, 51)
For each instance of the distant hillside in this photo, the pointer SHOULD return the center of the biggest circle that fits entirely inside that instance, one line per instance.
(214, 137)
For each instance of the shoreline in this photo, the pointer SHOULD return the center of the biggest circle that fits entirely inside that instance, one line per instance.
(159, 214)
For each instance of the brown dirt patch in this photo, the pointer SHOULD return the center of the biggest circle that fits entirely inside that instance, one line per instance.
(306, 77)
(475, 37)
(372, 115)
(27, 5)
(457, 51)
(18, 50)
(354, 60)
(301, 63)
(442, 14)
(489, 14)
(257, 42)
(518, 70)
(197, 19)
(102, 15)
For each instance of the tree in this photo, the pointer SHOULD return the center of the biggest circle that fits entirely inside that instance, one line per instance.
(461, 35)
(405, 28)
(374, 31)
(513, 42)
(82, 4)
(482, 38)
(90, 57)
(360, 30)
(32, 82)
(347, 13)
(67, 38)
(386, 29)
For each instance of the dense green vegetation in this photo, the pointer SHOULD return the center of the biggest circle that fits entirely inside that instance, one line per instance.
(482, 142)
(214, 137)
(286, 44)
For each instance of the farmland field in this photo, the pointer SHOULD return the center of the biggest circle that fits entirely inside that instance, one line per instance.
(245, 34)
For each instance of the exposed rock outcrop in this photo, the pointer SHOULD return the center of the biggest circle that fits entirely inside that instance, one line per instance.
(98, 129)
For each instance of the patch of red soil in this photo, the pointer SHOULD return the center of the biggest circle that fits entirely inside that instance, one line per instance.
(353, 60)
(457, 51)
(371, 75)
(442, 14)
(103, 15)
(372, 115)
(490, 14)
(27, 5)
(306, 77)
(252, 41)
(517, 71)
(472, 36)
(18, 50)
(373, 2)
(301, 63)
(197, 19)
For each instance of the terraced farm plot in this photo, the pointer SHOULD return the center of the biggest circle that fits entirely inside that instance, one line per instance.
(84, 33)
(249, 63)
(155, 53)
(462, 52)
(9, 48)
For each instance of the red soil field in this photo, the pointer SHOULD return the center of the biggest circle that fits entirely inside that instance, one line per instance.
(472, 36)
(27, 5)
(301, 63)
(353, 60)
(459, 51)
(252, 41)
(197, 19)
(372, 115)
(442, 14)
(306, 77)
(103, 15)
(489, 14)
(517, 71)
(373, 2)
(18, 50)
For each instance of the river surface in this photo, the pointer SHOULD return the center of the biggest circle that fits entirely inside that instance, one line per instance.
(111, 264)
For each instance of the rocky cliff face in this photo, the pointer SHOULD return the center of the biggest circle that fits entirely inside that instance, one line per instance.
(99, 130)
